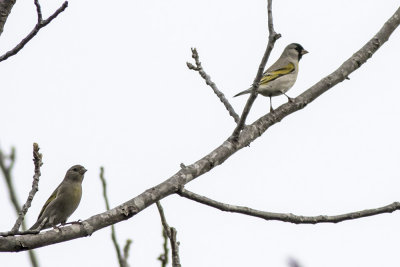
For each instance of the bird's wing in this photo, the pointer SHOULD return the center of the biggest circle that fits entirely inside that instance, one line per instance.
(51, 198)
(271, 75)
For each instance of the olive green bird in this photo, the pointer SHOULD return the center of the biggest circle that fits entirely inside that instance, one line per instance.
(282, 75)
(64, 200)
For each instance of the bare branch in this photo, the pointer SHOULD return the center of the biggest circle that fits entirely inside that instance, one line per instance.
(40, 24)
(164, 256)
(37, 161)
(214, 158)
(288, 217)
(37, 158)
(210, 83)
(171, 233)
(175, 249)
(126, 251)
(38, 11)
(5, 10)
(273, 36)
(121, 259)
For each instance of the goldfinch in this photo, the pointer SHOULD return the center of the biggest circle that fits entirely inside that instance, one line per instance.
(282, 75)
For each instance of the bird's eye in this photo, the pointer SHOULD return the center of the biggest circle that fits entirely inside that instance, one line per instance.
(75, 169)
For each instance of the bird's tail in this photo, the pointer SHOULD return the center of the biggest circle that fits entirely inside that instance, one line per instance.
(37, 224)
(248, 91)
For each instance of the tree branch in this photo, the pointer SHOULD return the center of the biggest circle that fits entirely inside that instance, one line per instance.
(273, 36)
(5, 10)
(208, 162)
(37, 159)
(164, 256)
(122, 260)
(288, 217)
(40, 24)
(171, 234)
(210, 83)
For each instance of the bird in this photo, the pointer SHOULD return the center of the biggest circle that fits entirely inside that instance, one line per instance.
(282, 75)
(64, 200)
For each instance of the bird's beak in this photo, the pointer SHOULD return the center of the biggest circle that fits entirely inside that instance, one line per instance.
(83, 171)
(303, 52)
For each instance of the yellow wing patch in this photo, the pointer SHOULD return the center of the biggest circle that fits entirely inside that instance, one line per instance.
(277, 73)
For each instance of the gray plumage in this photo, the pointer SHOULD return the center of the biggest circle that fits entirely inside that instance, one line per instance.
(281, 75)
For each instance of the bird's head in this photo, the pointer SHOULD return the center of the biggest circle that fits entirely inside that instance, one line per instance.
(75, 173)
(296, 50)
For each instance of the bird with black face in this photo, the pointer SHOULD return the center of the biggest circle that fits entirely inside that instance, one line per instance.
(64, 200)
(282, 75)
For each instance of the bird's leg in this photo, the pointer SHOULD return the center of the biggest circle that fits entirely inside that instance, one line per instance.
(270, 104)
(56, 227)
(289, 98)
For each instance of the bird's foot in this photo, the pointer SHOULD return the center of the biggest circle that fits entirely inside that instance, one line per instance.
(291, 100)
(76, 222)
(56, 227)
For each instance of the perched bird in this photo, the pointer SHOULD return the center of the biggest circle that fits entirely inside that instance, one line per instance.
(64, 200)
(281, 76)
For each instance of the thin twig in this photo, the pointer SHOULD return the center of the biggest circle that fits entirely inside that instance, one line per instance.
(126, 251)
(38, 11)
(273, 36)
(207, 78)
(175, 249)
(40, 24)
(121, 259)
(288, 217)
(37, 159)
(164, 256)
(171, 233)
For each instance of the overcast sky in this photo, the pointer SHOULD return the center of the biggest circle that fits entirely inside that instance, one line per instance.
(107, 85)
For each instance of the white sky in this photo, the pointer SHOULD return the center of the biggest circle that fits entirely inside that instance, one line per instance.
(108, 85)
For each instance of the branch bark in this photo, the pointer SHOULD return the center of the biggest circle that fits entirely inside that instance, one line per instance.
(171, 234)
(40, 24)
(273, 36)
(208, 162)
(5, 10)
(122, 259)
(207, 78)
(289, 217)
(6, 170)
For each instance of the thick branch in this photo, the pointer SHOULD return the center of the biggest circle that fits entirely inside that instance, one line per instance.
(289, 217)
(210, 83)
(273, 36)
(40, 24)
(5, 10)
(213, 159)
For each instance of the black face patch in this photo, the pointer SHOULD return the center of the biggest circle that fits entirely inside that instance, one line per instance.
(299, 50)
